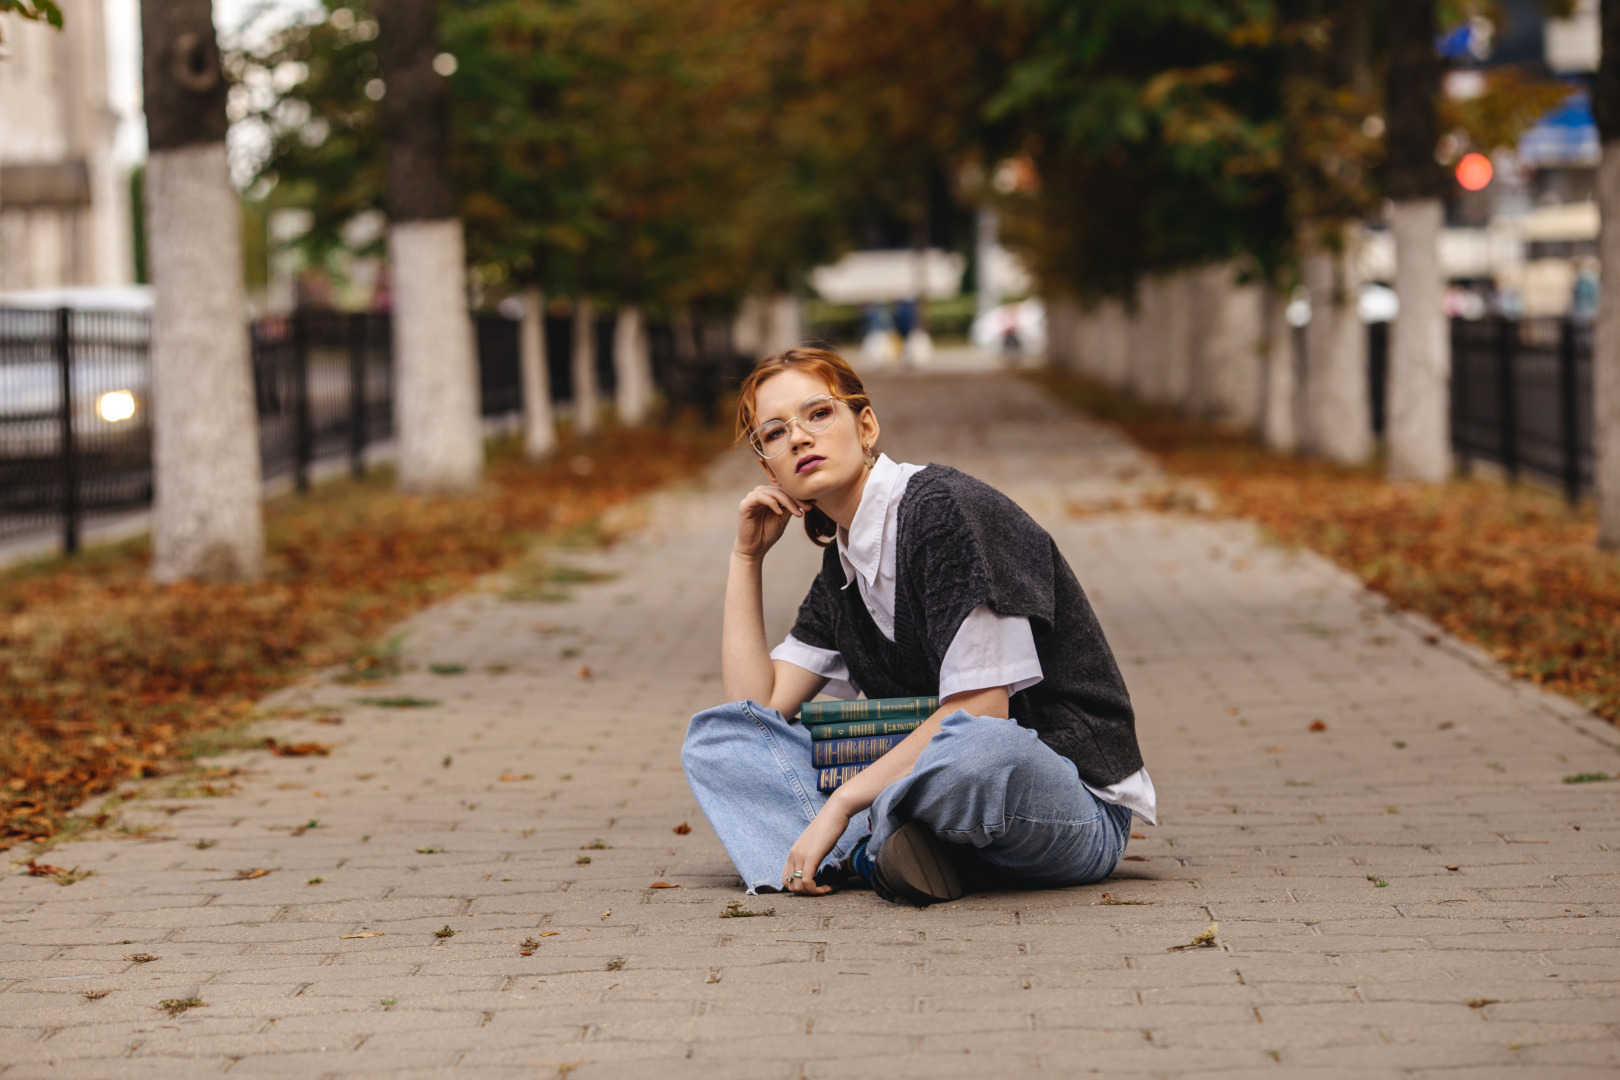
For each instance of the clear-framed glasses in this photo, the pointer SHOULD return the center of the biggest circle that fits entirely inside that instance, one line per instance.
(813, 415)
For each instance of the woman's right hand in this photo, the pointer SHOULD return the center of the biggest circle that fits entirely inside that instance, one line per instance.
(761, 518)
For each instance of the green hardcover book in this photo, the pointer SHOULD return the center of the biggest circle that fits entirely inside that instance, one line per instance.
(831, 778)
(812, 713)
(861, 729)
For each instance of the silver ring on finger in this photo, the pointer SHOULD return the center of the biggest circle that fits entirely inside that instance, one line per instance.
(798, 873)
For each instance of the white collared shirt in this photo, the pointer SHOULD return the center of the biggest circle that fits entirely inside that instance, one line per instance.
(988, 649)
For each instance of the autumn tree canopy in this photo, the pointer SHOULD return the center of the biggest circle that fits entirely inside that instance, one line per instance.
(670, 152)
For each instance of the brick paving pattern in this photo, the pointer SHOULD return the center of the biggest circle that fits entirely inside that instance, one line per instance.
(1412, 891)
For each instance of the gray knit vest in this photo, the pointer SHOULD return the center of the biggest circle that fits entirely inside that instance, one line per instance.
(962, 543)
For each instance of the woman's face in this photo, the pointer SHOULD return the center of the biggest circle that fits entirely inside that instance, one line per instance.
(813, 465)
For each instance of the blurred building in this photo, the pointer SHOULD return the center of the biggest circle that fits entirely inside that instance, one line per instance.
(64, 200)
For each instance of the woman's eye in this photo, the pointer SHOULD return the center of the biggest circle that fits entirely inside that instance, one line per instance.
(820, 413)
(772, 434)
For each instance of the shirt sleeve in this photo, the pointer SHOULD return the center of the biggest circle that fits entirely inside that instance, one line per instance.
(990, 650)
(824, 662)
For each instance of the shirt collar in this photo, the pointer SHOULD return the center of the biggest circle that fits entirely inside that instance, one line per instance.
(860, 547)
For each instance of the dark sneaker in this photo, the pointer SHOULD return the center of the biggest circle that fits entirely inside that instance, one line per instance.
(916, 865)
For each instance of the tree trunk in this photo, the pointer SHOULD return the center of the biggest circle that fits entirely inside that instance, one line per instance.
(1418, 398)
(1606, 343)
(206, 521)
(784, 325)
(1417, 401)
(1606, 339)
(748, 328)
(1143, 341)
(986, 237)
(1114, 361)
(1228, 350)
(437, 425)
(1065, 349)
(539, 425)
(1178, 298)
(632, 366)
(1279, 391)
(587, 398)
(438, 429)
(1338, 415)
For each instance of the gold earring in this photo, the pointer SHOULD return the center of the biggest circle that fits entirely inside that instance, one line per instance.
(871, 458)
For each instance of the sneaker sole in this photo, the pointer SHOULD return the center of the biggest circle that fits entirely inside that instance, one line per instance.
(914, 865)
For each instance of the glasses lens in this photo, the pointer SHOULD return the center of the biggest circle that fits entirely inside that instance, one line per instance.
(817, 413)
(770, 439)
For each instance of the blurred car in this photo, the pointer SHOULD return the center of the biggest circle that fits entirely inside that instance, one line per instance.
(109, 331)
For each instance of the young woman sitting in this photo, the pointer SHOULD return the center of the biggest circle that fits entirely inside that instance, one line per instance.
(932, 584)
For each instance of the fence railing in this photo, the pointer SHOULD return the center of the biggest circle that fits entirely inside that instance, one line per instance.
(75, 398)
(1521, 396)
(75, 418)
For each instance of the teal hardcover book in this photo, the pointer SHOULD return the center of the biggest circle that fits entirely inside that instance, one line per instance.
(861, 729)
(815, 713)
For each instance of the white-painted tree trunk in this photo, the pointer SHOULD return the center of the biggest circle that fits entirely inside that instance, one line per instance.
(587, 395)
(1201, 304)
(539, 423)
(1085, 339)
(206, 521)
(1279, 390)
(1181, 290)
(784, 324)
(1338, 422)
(1225, 342)
(437, 426)
(1143, 341)
(1606, 352)
(986, 235)
(1418, 396)
(1113, 332)
(632, 365)
(1237, 347)
(748, 328)
(1064, 349)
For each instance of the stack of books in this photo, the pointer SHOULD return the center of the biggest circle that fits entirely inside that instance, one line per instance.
(847, 736)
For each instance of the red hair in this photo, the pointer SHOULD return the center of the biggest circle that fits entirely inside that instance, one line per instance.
(842, 383)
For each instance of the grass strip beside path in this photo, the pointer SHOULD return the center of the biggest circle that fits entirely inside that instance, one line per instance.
(1509, 568)
(105, 676)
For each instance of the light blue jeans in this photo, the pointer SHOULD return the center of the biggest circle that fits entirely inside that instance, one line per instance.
(1017, 809)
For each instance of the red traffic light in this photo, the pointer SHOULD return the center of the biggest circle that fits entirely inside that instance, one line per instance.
(1474, 172)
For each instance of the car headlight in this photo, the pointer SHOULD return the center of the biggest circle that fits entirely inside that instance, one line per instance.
(116, 405)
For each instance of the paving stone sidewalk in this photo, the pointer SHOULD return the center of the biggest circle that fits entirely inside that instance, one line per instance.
(1412, 891)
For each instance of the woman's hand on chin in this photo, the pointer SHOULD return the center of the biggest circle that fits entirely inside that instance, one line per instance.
(761, 518)
(810, 848)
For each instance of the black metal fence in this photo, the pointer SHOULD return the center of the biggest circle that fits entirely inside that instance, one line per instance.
(75, 418)
(1521, 396)
(75, 398)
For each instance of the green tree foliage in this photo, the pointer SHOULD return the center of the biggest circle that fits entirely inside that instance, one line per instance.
(1157, 130)
(677, 152)
(302, 93)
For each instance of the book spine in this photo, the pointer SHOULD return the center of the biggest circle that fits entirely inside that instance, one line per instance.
(864, 729)
(831, 778)
(812, 713)
(851, 751)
